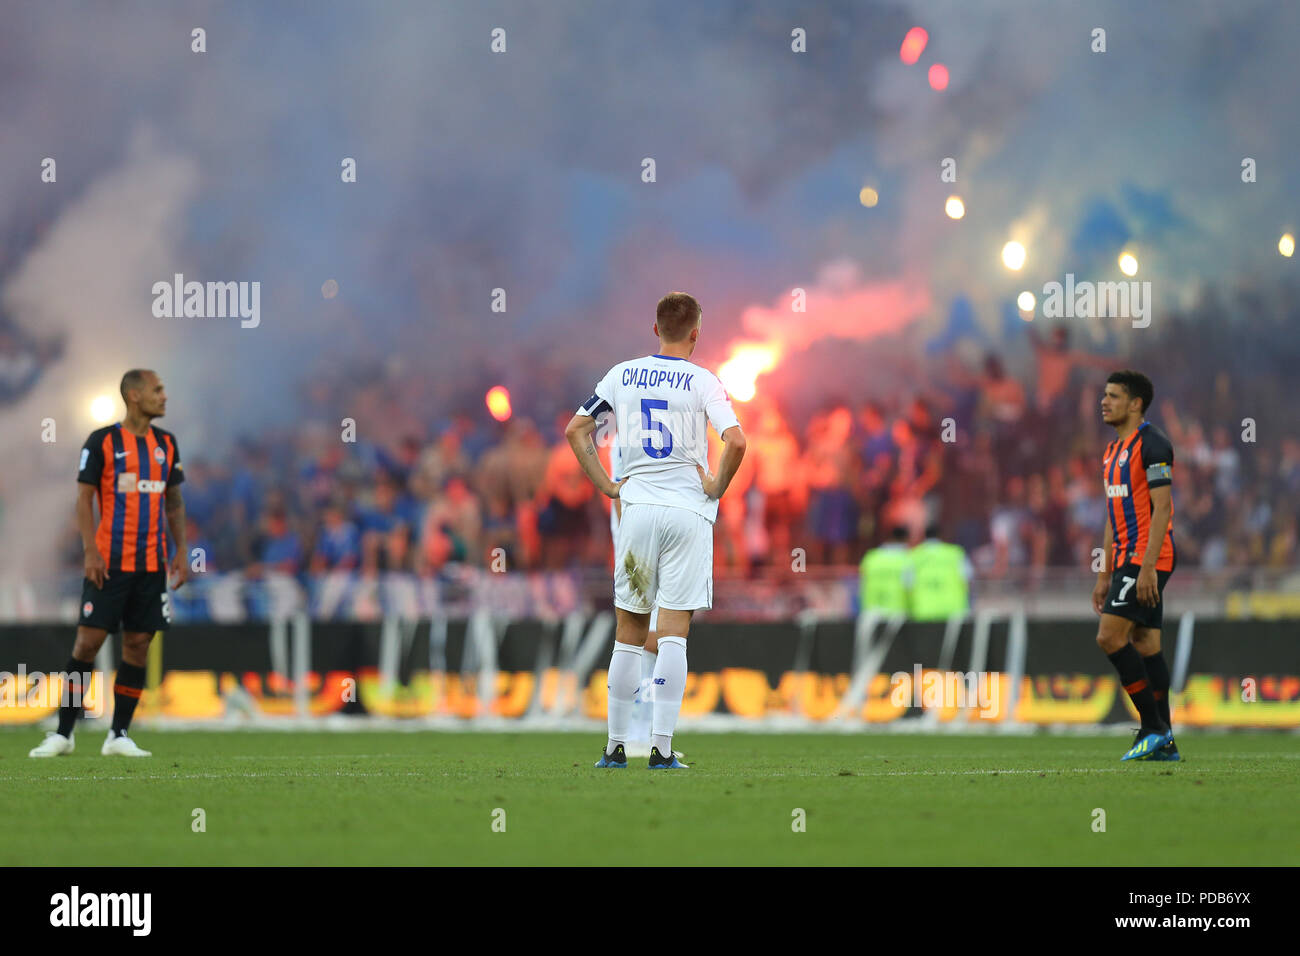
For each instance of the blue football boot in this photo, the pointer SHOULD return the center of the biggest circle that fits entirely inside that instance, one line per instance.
(1147, 742)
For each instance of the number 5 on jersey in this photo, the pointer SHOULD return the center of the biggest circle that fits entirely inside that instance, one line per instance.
(648, 423)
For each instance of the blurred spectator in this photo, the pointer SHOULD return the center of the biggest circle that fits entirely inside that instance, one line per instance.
(562, 499)
(453, 527)
(338, 545)
(437, 463)
(832, 511)
(1056, 361)
(1010, 530)
(386, 525)
(779, 479)
(276, 545)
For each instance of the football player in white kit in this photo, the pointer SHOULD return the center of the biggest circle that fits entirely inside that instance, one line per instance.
(663, 558)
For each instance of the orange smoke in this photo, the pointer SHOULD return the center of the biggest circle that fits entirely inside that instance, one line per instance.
(838, 305)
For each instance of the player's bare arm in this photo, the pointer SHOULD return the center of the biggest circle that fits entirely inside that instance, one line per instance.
(733, 450)
(1162, 507)
(1102, 587)
(96, 569)
(579, 432)
(175, 510)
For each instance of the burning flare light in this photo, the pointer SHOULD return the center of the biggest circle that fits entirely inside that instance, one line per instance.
(747, 363)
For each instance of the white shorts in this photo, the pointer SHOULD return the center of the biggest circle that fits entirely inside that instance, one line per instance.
(663, 557)
(613, 530)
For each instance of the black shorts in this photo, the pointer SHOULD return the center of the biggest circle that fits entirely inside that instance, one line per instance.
(1122, 600)
(136, 600)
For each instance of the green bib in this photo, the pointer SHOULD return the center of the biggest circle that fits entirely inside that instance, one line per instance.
(939, 588)
(883, 584)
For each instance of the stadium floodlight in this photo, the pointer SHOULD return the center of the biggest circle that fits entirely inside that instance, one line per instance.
(938, 77)
(1026, 301)
(1128, 264)
(868, 196)
(102, 408)
(954, 207)
(1013, 256)
(1286, 245)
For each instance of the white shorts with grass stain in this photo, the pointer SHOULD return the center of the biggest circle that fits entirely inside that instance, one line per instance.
(663, 557)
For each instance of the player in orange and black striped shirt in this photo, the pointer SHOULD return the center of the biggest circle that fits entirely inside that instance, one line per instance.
(134, 470)
(1137, 478)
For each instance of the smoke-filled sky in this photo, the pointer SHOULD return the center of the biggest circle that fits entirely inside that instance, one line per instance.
(522, 170)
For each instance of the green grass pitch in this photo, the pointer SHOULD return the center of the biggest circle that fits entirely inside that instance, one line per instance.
(380, 798)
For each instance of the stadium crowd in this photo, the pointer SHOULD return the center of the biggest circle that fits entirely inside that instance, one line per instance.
(1008, 466)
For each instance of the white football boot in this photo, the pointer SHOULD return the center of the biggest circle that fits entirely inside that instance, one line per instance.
(120, 745)
(54, 745)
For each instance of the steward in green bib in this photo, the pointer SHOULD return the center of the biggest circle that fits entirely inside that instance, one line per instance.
(885, 576)
(940, 579)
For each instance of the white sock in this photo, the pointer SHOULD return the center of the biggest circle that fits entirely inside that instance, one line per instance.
(648, 661)
(671, 670)
(623, 680)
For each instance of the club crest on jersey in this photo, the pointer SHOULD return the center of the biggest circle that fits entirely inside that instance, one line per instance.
(86, 609)
(159, 455)
(1123, 456)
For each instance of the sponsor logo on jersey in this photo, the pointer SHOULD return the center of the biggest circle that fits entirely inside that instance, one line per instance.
(1117, 491)
(128, 481)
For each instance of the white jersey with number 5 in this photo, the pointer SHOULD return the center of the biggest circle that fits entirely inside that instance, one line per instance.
(662, 407)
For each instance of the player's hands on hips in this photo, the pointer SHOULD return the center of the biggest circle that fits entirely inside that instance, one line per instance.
(1148, 588)
(615, 489)
(179, 572)
(710, 483)
(96, 568)
(1099, 592)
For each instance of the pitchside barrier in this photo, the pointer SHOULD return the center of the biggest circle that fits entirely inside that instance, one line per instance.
(996, 671)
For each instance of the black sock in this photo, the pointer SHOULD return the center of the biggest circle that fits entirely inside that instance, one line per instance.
(1158, 675)
(126, 694)
(78, 682)
(1133, 675)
